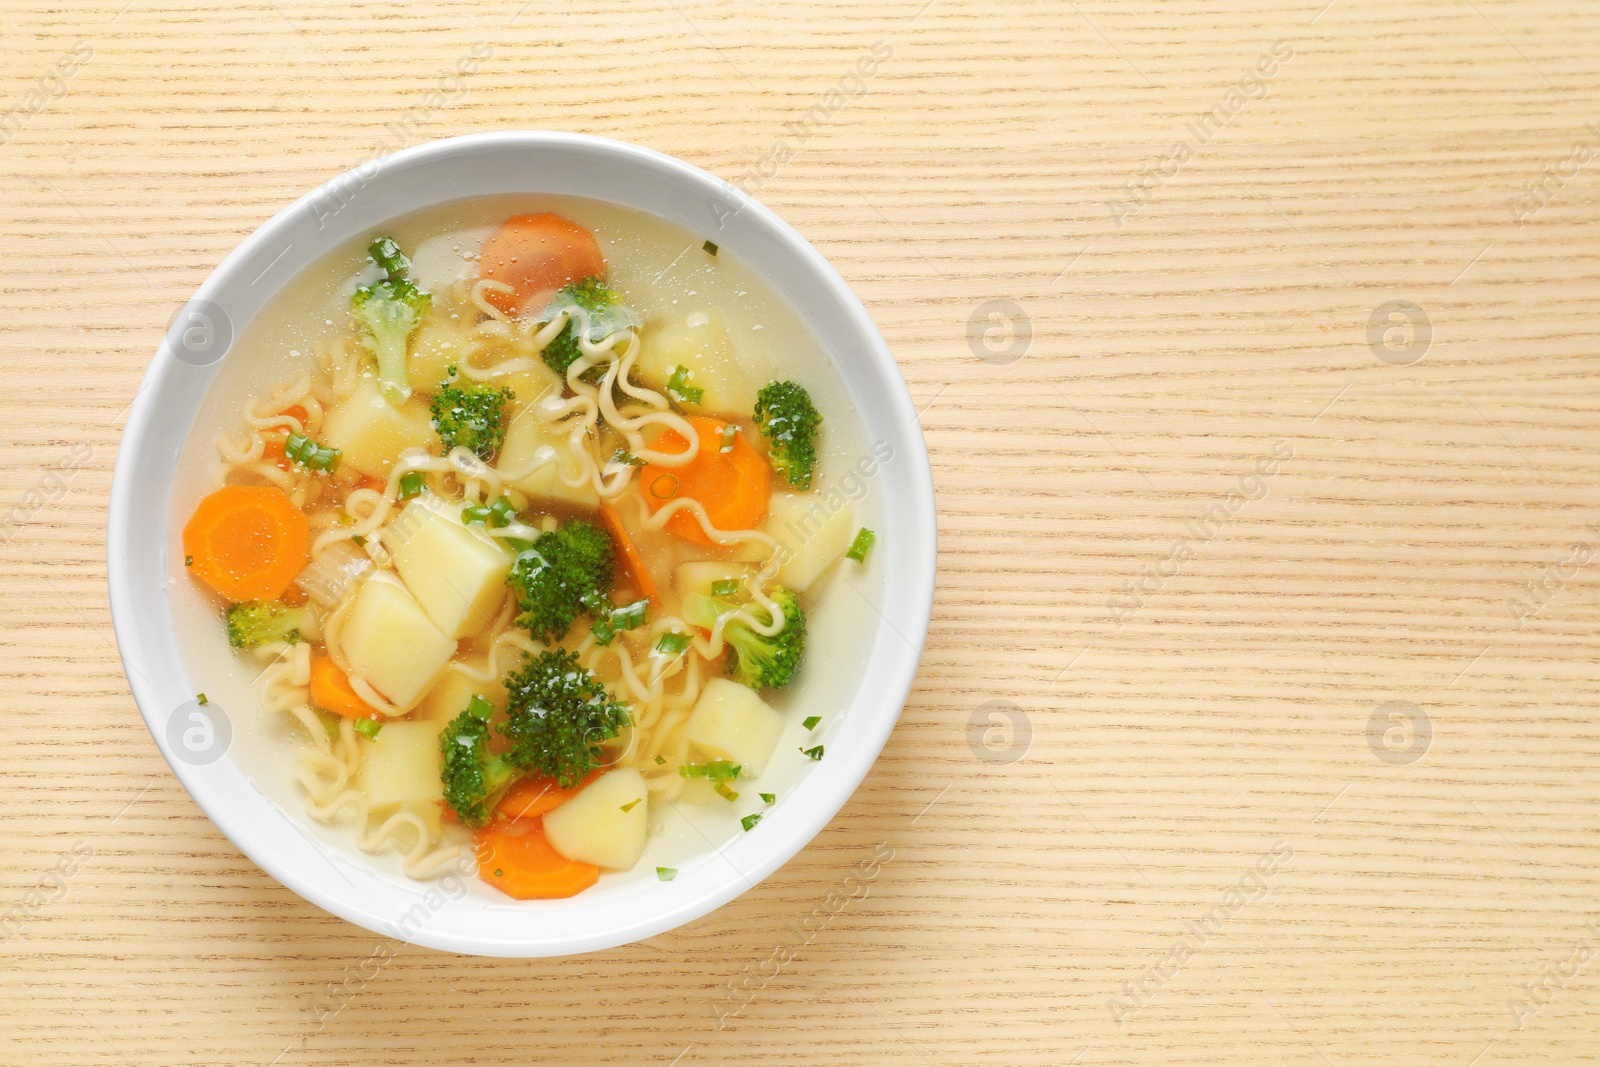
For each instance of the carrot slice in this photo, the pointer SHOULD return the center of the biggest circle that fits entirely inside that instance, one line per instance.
(514, 857)
(536, 255)
(536, 795)
(274, 453)
(632, 561)
(733, 486)
(296, 411)
(331, 691)
(247, 542)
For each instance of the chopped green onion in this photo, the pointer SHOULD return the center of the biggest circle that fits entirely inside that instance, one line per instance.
(814, 753)
(680, 390)
(631, 615)
(725, 793)
(306, 452)
(666, 874)
(863, 541)
(498, 513)
(811, 722)
(662, 760)
(664, 486)
(768, 797)
(730, 433)
(412, 484)
(749, 821)
(672, 644)
(725, 587)
(630, 805)
(624, 456)
(716, 771)
(479, 708)
(368, 728)
(200, 698)
(358, 539)
(710, 248)
(188, 561)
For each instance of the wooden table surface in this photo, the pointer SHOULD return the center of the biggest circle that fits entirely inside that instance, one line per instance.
(1256, 346)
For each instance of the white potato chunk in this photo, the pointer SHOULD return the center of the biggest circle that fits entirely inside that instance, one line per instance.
(371, 432)
(453, 691)
(391, 642)
(531, 438)
(699, 343)
(699, 577)
(811, 536)
(605, 824)
(439, 344)
(401, 765)
(731, 722)
(457, 573)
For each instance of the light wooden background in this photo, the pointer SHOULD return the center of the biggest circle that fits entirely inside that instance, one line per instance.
(1153, 762)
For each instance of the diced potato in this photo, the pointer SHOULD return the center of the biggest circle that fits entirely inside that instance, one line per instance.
(529, 386)
(391, 642)
(699, 577)
(401, 765)
(457, 573)
(452, 693)
(440, 343)
(699, 343)
(731, 722)
(593, 826)
(371, 432)
(527, 439)
(811, 537)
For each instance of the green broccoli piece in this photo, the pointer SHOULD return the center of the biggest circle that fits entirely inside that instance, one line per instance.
(753, 659)
(567, 572)
(387, 313)
(473, 779)
(558, 717)
(263, 622)
(789, 422)
(471, 415)
(594, 296)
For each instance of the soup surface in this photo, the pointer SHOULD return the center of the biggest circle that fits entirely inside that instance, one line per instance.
(517, 535)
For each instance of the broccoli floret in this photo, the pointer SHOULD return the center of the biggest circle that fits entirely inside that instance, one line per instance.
(471, 415)
(789, 422)
(387, 313)
(263, 622)
(473, 779)
(594, 296)
(753, 659)
(558, 717)
(567, 572)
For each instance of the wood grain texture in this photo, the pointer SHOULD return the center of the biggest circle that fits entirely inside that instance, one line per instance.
(1029, 909)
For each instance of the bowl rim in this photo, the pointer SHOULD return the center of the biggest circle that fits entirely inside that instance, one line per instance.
(912, 541)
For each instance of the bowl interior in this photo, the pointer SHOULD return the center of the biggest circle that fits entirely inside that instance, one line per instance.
(443, 914)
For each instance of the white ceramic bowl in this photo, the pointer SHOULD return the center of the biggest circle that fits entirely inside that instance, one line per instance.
(354, 204)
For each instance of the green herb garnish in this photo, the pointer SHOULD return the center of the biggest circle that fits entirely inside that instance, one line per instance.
(710, 248)
(672, 644)
(725, 793)
(859, 547)
(411, 484)
(811, 721)
(768, 797)
(725, 587)
(730, 433)
(680, 390)
(749, 821)
(624, 456)
(630, 805)
(814, 753)
(306, 452)
(368, 728)
(716, 771)
(666, 874)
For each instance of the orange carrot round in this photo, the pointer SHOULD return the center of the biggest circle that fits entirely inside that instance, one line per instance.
(733, 486)
(536, 255)
(536, 795)
(628, 553)
(331, 691)
(247, 542)
(514, 857)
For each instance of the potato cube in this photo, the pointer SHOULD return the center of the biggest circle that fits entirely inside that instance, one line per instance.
(531, 438)
(811, 536)
(401, 765)
(731, 722)
(453, 691)
(605, 824)
(457, 573)
(390, 641)
(700, 576)
(371, 432)
(699, 343)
